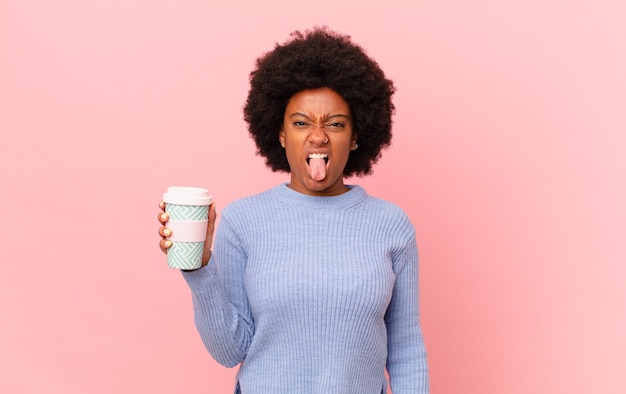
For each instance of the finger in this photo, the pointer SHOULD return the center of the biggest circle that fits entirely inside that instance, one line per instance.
(163, 217)
(212, 212)
(212, 217)
(164, 244)
(162, 205)
(206, 253)
(165, 232)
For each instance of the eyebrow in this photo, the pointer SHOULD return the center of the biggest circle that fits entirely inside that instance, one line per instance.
(329, 117)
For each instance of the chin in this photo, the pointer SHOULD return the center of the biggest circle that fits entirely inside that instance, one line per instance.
(318, 186)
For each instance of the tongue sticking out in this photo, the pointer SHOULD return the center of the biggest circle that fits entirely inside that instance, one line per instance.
(317, 168)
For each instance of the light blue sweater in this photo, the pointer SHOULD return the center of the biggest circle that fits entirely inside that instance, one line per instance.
(313, 295)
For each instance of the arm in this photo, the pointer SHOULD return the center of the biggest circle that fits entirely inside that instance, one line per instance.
(221, 311)
(406, 360)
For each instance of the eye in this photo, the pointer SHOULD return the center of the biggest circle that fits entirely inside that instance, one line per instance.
(336, 126)
(299, 124)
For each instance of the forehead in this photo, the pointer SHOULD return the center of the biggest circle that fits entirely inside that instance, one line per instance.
(322, 101)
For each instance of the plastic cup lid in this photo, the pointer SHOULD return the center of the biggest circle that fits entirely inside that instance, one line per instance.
(183, 195)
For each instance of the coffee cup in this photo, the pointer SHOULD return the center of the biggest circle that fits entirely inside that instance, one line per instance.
(188, 209)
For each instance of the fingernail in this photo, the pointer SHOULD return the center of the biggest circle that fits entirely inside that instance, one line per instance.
(164, 216)
(168, 244)
(167, 232)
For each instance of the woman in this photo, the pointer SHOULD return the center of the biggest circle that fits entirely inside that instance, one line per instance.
(312, 286)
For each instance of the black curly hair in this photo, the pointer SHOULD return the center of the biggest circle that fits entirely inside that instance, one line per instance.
(314, 59)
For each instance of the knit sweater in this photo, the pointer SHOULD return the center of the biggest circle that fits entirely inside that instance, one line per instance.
(313, 295)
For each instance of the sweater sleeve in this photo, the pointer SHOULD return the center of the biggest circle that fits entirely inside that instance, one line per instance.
(221, 311)
(406, 360)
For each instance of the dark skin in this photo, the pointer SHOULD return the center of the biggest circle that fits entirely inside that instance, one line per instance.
(317, 121)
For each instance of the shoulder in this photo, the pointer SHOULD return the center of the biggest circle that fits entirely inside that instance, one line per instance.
(247, 206)
(388, 215)
(383, 207)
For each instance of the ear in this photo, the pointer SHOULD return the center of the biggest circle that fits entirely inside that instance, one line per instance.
(355, 137)
(281, 137)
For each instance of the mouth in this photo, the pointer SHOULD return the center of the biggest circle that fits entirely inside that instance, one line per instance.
(316, 163)
(317, 156)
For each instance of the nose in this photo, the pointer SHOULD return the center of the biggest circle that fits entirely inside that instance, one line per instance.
(318, 135)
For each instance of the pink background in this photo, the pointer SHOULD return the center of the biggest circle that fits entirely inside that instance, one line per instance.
(508, 156)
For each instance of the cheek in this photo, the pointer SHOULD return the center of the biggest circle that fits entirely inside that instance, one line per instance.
(292, 150)
(293, 141)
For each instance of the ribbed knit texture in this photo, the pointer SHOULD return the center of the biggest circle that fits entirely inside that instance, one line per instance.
(313, 295)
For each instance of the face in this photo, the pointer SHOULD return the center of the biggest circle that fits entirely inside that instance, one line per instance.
(317, 136)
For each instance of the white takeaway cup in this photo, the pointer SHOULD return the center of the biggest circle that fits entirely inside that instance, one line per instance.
(188, 209)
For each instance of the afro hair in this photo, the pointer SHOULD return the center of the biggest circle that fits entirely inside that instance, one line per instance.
(315, 59)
